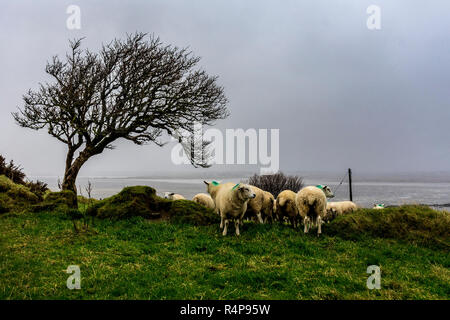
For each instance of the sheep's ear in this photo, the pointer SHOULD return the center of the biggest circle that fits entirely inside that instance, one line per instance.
(206, 182)
(171, 194)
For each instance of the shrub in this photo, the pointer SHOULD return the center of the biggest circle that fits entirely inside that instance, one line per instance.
(11, 171)
(275, 183)
(39, 188)
(15, 174)
(420, 225)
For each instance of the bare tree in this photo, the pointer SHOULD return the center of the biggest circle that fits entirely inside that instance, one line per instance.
(136, 89)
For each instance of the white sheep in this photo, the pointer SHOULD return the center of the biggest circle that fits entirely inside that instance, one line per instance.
(378, 206)
(256, 206)
(173, 196)
(286, 207)
(269, 207)
(205, 200)
(335, 209)
(231, 202)
(312, 205)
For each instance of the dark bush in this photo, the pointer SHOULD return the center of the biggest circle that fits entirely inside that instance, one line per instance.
(275, 183)
(11, 171)
(15, 174)
(39, 188)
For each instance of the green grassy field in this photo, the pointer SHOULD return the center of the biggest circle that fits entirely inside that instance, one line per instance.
(141, 259)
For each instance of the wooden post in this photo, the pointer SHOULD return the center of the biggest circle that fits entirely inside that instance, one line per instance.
(350, 183)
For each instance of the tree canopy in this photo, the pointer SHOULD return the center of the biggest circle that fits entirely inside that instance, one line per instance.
(135, 89)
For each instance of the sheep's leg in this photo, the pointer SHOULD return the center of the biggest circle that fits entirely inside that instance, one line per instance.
(319, 225)
(260, 218)
(305, 222)
(221, 222)
(236, 224)
(225, 229)
(291, 220)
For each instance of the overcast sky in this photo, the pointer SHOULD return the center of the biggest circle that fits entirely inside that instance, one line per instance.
(342, 95)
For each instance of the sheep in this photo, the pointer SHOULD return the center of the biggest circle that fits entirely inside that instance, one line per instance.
(378, 206)
(269, 207)
(335, 209)
(255, 206)
(286, 207)
(173, 196)
(205, 200)
(230, 201)
(312, 205)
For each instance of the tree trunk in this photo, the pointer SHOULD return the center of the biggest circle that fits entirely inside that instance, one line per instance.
(72, 170)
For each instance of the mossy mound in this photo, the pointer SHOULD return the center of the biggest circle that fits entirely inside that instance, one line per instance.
(57, 201)
(139, 201)
(15, 197)
(86, 201)
(142, 201)
(189, 212)
(420, 225)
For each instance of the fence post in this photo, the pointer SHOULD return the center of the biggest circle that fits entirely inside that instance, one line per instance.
(350, 183)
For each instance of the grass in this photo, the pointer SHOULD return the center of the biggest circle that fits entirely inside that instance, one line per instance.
(137, 258)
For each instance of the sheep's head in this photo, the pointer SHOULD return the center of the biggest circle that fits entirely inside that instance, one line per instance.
(210, 185)
(168, 195)
(244, 191)
(326, 190)
(330, 215)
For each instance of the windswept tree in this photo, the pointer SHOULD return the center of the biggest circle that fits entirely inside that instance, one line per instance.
(136, 89)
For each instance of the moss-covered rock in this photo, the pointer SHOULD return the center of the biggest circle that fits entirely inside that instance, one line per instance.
(15, 197)
(57, 201)
(186, 211)
(130, 202)
(142, 201)
(415, 224)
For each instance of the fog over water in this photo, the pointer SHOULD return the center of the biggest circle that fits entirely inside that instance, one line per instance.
(367, 190)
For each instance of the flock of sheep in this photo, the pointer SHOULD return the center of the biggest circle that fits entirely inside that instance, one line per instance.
(236, 202)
